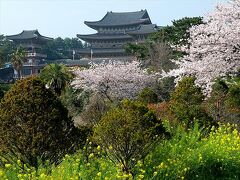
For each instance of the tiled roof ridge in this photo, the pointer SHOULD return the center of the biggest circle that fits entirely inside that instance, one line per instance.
(121, 18)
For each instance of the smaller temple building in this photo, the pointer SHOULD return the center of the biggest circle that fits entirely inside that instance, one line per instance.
(32, 42)
(114, 31)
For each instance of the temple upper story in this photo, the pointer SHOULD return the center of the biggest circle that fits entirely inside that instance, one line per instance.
(32, 42)
(115, 30)
(29, 37)
(112, 21)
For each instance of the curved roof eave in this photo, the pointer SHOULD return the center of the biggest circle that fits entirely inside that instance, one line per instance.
(95, 25)
(30, 34)
(120, 19)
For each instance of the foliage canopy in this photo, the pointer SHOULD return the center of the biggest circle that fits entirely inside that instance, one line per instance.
(34, 124)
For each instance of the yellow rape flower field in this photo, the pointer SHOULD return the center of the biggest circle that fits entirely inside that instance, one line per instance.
(187, 155)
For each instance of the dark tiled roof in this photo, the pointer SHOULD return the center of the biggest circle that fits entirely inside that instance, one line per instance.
(31, 34)
(144, 29)
(104, 36)
(122, 18)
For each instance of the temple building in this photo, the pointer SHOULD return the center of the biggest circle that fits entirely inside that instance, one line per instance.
(32, 42)
(115, 30)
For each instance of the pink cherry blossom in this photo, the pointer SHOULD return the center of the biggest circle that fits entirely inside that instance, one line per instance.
(114, 80)
(214, 47)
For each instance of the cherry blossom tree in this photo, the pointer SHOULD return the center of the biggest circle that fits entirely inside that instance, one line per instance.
(214, 47)
(114, 80)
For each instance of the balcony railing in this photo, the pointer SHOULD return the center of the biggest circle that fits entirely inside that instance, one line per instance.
(36, 55)
(31, 45)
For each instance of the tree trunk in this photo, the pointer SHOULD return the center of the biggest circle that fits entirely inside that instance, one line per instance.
(19, 74)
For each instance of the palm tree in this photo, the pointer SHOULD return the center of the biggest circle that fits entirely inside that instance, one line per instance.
(56, 77)
(18, 58)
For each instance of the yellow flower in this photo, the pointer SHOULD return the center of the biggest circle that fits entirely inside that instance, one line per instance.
(42, 175)
(91, 155)
(161, 165)
(1, 173)
(99, 174)
(141, 176)
(99, 148)
(142, 171)
(139, 163)
(110, 147)
(155, 173)
(7, 165)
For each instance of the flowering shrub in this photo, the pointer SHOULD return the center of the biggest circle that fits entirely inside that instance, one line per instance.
(114, 80)
(214, 47)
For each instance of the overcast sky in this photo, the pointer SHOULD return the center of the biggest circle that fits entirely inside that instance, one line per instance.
(65, 18)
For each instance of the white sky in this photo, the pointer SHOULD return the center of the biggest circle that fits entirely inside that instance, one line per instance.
(65, 18)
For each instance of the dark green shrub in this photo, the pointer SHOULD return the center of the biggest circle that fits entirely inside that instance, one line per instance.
(94, 110)
(3, 89)
(75, 100)
(147, 96)
(165, 87)
(224, 102)
(186, 103)
(128, 133)
(1, 94)
(34, 124)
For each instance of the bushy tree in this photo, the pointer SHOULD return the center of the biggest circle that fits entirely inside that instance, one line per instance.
(128, 133)
(164, 88)
(3, 89)
(178, 33)
(140, 51)
(224, 103)
(75, 100)
(93, 111)
(214, 47)
(114, 80)
(34, 124)
(6, 49)
(1, 94)
(147, 96)
(186, 103)
(160, 55)
(60, 48)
